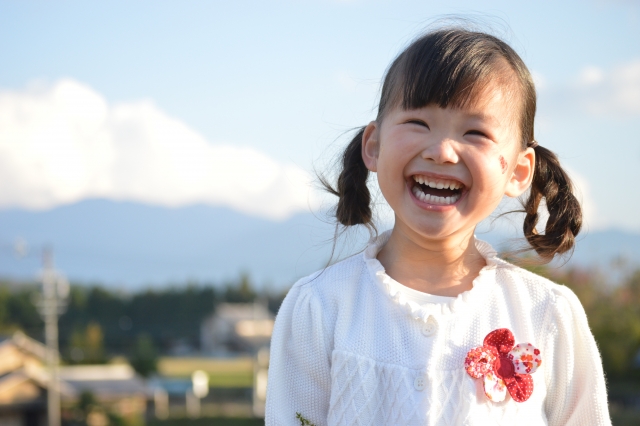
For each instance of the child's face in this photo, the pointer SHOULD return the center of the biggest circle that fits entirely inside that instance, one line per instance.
(443, 171)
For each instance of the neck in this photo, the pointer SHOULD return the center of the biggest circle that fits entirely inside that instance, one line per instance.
(443, 267)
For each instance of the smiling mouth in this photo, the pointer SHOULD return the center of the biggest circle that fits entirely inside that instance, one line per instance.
(436, 191)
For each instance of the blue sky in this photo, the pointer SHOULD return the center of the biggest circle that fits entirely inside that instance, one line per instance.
(273, 85)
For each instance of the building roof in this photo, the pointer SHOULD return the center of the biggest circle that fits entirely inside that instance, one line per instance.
(25, 344)
(243, 311)
(24, 359)
(104, 381)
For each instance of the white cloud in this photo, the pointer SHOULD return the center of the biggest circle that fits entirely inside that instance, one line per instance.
(64, 143)
(615, 92)
(590, 218)
(590, 76)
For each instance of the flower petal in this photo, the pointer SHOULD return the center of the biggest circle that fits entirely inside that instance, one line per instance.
(520, 387)
(479, 361)
(526, 358)
(502, 339)
(494, 387)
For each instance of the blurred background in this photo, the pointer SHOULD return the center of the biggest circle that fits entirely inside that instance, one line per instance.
(158, 190)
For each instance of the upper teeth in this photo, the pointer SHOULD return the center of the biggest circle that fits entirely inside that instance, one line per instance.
(437, 183)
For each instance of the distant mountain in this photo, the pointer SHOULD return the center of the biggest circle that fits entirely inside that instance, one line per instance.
(613, 252)
(129, 244)
(133, 245)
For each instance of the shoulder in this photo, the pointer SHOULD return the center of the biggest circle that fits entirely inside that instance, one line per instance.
(522, 289)
(536, 285)
(327, 289)
(333, 281)
(312, 305)
(543, 296)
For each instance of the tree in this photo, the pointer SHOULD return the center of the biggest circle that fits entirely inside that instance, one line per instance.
(145, 356)
(87, 347)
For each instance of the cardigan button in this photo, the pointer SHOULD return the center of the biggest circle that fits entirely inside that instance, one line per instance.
(430, 327)
(420, 382)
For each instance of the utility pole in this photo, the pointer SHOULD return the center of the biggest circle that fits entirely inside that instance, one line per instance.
(52, 303)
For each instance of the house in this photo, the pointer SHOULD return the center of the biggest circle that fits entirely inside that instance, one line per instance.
(116, 387)
(24, 381)
(236, 328)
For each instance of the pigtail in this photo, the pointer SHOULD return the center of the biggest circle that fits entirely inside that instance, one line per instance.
(553, 184)
(354, 199)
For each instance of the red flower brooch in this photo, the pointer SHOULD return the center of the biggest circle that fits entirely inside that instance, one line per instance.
(505, 367)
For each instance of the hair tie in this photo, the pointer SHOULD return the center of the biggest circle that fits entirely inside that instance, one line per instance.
(533, 144)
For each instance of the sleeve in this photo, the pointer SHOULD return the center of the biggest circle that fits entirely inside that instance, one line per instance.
(576, 390)
(299, 368)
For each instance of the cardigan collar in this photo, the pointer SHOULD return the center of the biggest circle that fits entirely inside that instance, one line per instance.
(422, 305)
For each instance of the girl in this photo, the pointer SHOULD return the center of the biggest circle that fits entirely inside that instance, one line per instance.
(427, 326)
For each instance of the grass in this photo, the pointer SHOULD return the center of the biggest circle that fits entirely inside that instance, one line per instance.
(230, 373)
(210, 421)
(624, 416)
(619, 417)
(624, 393)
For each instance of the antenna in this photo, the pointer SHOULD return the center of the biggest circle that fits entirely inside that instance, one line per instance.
(52, 303)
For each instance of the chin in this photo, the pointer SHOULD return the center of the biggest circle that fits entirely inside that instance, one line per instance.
(431, 231)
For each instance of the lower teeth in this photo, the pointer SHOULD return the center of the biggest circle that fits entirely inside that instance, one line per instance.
(432, 199)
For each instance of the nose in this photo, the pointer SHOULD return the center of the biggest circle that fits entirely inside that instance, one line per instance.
(441, 151)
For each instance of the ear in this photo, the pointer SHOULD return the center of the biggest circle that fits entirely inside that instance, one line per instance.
(371, 146)
(522, 174)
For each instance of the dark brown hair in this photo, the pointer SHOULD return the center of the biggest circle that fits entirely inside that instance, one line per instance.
(448, 68)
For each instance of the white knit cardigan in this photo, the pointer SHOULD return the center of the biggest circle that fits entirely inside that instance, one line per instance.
(351, 346)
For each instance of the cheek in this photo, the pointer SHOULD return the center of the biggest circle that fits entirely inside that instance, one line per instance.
(390, 176)
(503, 164)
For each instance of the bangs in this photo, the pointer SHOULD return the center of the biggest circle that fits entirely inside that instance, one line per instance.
(448, 68)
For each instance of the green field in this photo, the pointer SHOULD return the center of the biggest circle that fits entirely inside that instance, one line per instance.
(621, 417)
(207, 422)
(231, 373)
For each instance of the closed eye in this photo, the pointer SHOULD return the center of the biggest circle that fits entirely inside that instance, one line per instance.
(418, 122)
(478, 133)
